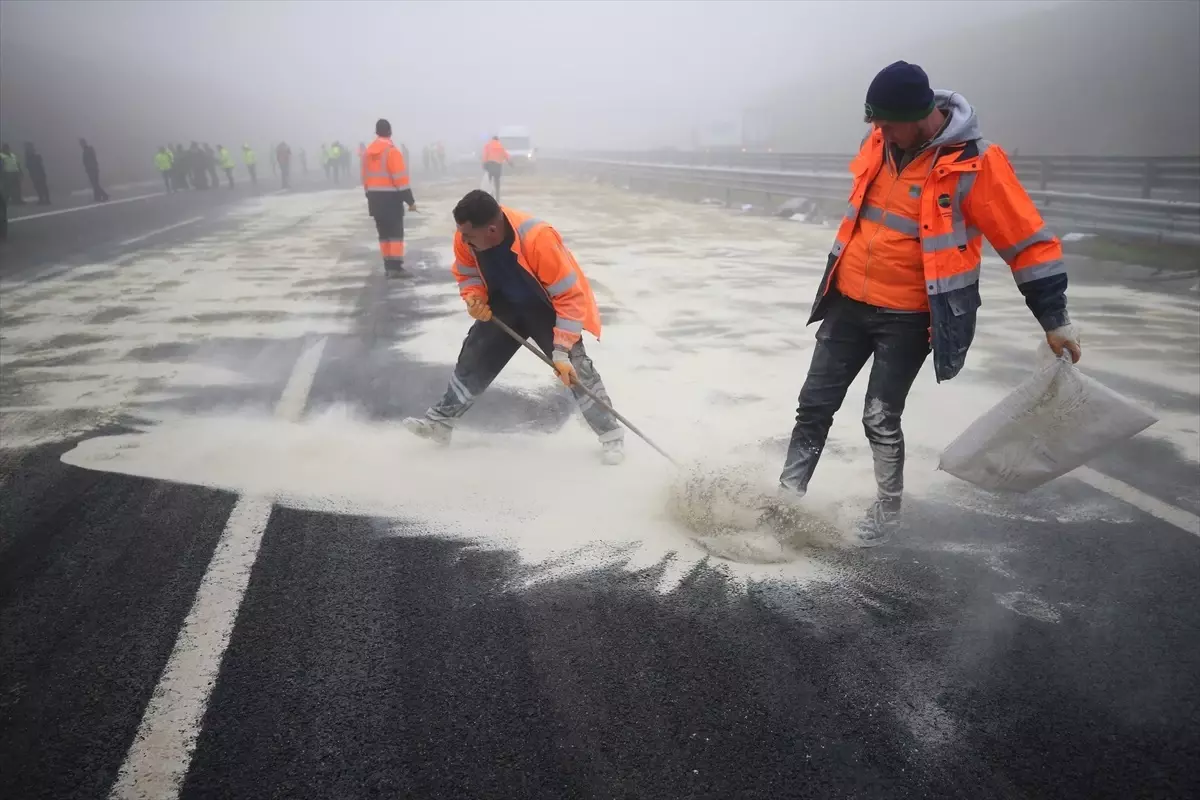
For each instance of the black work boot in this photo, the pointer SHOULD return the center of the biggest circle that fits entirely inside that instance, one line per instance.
(395, 269)
(878, 524)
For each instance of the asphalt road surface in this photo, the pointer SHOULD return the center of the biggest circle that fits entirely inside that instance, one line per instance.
(225, 571)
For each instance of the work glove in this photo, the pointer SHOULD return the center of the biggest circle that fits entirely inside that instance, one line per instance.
(412, 206)
(566, 372)
(1064, 338)
(478, 308)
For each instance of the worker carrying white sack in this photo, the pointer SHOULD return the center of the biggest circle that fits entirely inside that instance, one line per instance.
(902, 279)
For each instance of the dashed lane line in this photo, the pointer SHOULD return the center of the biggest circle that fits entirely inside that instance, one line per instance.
(1178, 517)
(105, 204)
(143, 237)
(158, 760)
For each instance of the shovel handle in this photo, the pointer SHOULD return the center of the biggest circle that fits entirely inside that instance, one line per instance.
(598, 401)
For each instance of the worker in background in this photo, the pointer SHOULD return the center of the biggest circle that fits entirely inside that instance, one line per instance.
(335, 156)
(91, 165)
(271, 150)
(326, 162)
(283, 154)
(303, 161)
(344, 159)
(516, 268)
(903, 276)
(11, 166)
(251, 162)
(425, 158)
(225, 158)
(179, 169)
(163, 162)
(36, 167)
(362, 149)
(441, 157)
(199, 168)
(494, 159)
(210, 164)
(385, 181)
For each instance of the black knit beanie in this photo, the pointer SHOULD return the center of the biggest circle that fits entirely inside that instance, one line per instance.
(899, 93)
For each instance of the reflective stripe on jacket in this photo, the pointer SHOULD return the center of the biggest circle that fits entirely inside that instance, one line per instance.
(540, 252)
(383, 167)
(969, 192)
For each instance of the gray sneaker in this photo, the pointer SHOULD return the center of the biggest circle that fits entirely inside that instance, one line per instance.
(436, 432)
(877, 525)
(613, 452)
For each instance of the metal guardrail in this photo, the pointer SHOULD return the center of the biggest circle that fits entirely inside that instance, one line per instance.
(1164, 178)
(1174, 221)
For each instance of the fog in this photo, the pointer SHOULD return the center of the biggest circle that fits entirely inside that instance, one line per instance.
(132, 74)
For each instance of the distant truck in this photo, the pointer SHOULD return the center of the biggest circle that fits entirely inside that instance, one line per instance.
(519, 144)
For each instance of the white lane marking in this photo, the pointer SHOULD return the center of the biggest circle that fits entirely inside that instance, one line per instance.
(119, 187)
(158, 760)
(105, 204)
(146, 236)
(1178, 517)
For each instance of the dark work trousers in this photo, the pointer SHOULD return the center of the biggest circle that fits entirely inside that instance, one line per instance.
(98, 193)
(284, 171)
(253, 174)
(487, 350)
(493, 169)
(166, 175)
(389, 222)
(851, 333)
(229, 176)
(41, 187)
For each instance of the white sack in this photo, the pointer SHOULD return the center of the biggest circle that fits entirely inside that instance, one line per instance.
(1055, 421)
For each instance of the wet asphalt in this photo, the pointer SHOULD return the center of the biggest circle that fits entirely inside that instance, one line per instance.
(1064, 662)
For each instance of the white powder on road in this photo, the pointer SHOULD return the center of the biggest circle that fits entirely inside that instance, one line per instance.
(493, 489)
(705, 347)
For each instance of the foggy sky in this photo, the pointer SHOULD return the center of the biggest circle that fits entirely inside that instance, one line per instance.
(607, 74)
(1093, 77)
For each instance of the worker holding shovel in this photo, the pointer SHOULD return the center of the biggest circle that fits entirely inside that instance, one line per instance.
(514, 268)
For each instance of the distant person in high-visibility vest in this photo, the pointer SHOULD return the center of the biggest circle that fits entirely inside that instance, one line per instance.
(385, 180)
(226, 159)
(494, 159)
(251, 162)
(163, 161)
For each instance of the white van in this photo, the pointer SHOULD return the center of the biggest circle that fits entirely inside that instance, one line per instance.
(519, 144)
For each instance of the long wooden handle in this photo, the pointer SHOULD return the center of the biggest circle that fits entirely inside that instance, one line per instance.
(598, 401)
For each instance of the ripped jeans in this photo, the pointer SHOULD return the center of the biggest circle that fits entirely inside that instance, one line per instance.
(851, 333)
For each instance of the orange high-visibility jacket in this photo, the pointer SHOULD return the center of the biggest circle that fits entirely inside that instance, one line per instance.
(540, 252)
(928, 233)
(383, 167)
(494, 152)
